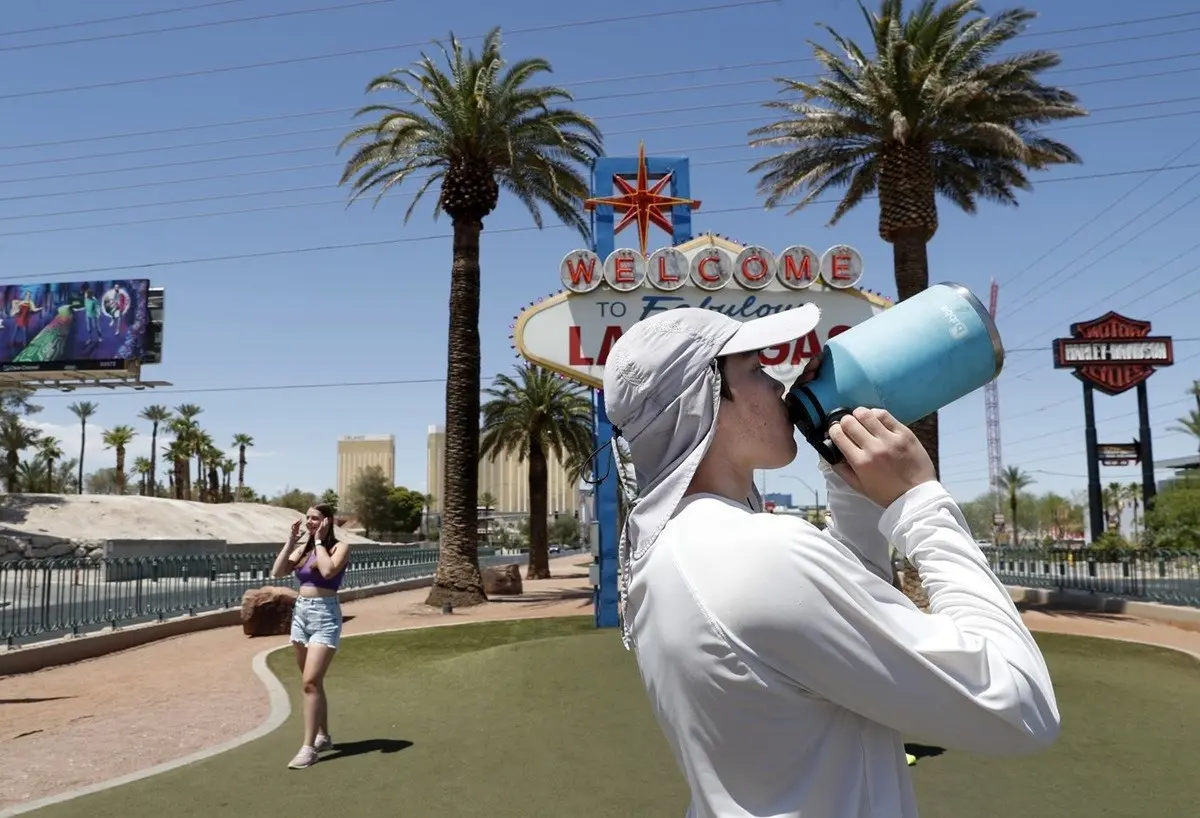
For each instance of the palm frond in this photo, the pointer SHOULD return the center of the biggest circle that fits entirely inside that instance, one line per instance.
(935, 83)
(475, 111)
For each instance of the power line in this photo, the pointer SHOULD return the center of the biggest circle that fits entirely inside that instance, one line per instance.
(1059, 281)
(594, 81)
(326, 202)
(1073, 428)
(121, 18)
(1119, 200)
(1175, 301)
(174, 183)
(1115, 24)
(227, 69)
(331, 166)
(153, 265)
(348, 110)
(192, 26)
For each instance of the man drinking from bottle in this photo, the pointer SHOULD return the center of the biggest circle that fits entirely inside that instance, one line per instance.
(782, 665)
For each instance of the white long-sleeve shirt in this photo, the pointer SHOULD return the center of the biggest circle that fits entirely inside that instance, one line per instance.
(786, 670)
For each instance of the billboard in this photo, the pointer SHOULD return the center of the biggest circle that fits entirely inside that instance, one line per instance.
(93, 326)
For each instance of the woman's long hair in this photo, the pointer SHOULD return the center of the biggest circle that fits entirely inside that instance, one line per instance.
(326, 512)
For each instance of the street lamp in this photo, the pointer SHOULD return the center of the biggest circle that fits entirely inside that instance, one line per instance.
(816, 497)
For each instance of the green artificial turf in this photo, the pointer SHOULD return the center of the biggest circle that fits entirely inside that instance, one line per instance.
(548, 718)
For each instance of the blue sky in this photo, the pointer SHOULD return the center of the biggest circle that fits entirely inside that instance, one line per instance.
(238, 326)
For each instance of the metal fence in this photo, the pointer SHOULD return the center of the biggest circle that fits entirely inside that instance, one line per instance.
(50, 598)
(1168, 577)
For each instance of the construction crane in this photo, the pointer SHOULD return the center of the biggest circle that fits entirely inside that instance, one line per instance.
(991, 403)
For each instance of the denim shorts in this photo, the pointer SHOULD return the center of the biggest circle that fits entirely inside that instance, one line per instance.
(317, 620)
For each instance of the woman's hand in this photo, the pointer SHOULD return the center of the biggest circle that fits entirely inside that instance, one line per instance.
(295, 533)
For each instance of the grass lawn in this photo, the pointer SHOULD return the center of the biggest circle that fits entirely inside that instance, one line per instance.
(548, 718)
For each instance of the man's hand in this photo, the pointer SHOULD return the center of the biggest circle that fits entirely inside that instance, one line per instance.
(883, 458)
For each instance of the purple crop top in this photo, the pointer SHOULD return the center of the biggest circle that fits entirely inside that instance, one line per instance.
(308, 574)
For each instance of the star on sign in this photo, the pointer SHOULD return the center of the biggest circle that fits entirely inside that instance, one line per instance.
(642, 205)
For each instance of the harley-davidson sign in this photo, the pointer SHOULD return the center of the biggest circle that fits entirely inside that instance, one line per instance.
(1112, 352)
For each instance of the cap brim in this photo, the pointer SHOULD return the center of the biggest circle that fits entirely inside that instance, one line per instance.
(773, 330)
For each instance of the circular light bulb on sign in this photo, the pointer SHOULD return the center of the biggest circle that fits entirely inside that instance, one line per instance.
(581, 271)
(798, 267)
(624, 270)
(754, 267)
(667, 269)
(711, 270)
(841, 267)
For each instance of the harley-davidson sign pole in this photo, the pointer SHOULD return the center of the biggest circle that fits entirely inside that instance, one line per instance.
(1114, 354)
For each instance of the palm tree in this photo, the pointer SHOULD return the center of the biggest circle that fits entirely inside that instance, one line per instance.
(537, 415)
(487, 502)
(213, 456)
(155, 414)
(1114, 495)
(118, 437)
(934, 111)
(202, 446)
(1133, 496)
(227, 467)
(49, 451)
(1189, 424)
(177, 452)
(83, 410)
(243, 442)
(475, 126)
(15, 437)
(144, 469)
(1011, 481)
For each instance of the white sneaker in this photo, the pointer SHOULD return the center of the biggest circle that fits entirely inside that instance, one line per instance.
(323, 743)
(305, 758)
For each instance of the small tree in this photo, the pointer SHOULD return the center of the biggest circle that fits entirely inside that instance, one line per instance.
(370, 497)
(405, 509)
(295, 499)
(1174, 521)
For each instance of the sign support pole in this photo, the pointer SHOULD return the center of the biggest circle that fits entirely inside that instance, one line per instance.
(1149, 489)
(605, 597)
(1095, 498)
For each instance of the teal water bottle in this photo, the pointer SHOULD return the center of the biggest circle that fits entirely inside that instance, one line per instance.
(911, 359)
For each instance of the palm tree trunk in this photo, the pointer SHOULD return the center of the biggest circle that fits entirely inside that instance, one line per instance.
(82, 445)
(1012, 507)
(539, 536)
(121, 470)
(911, 260)
(153, 481)
(458, 579)
(241, 471)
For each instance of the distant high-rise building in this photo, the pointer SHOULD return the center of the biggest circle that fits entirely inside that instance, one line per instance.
(506, 479)
(358, 452)
(778, 499)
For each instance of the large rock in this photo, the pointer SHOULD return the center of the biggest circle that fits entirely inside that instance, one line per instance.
(502, 580)
(268, 611)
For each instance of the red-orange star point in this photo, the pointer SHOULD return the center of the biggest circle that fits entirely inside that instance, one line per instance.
(642, 205)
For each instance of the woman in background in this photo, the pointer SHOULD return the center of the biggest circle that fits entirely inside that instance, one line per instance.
(320, 566)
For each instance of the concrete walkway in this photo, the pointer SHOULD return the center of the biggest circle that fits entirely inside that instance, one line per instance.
(69, 727)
